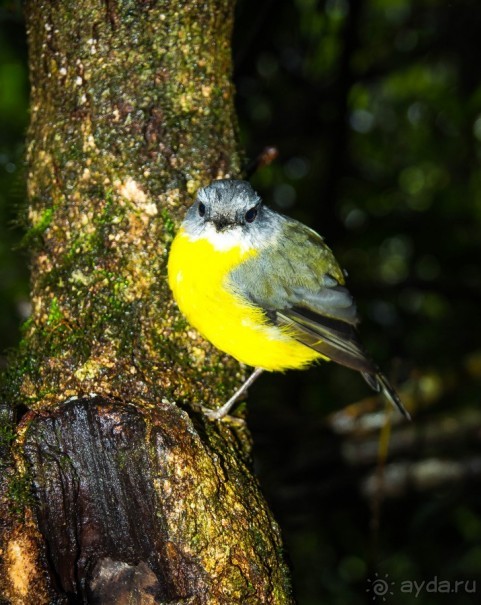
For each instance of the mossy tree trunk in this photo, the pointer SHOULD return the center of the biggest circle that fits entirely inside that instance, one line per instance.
(114, 487)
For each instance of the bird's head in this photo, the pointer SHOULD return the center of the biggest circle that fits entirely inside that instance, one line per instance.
(229, 212)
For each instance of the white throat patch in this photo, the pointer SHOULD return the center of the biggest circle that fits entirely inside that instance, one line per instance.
(224, 240)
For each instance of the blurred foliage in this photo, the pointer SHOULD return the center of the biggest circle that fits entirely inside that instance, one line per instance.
(375, 107)
(13, 123)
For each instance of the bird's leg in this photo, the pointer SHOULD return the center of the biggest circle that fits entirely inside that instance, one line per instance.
(224, 409)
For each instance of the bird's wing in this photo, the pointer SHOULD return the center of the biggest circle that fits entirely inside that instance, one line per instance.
(300, 286)
(334, 339)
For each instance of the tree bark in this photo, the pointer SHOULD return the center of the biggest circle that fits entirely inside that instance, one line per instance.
(114, 487)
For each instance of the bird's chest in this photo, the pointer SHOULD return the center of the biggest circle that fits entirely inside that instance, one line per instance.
(198, 277)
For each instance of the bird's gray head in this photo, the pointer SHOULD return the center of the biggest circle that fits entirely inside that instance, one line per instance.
(229, 212)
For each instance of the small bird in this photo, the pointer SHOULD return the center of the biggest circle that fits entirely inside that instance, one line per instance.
(265, 289)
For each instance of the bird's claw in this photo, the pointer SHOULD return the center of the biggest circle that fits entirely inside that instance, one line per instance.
(217, 415)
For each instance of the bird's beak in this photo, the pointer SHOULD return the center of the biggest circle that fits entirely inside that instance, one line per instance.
(221, 224)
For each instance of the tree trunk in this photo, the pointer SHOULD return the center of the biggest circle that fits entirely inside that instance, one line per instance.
(114, 487)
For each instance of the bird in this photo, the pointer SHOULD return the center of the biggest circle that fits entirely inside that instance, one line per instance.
(265, 289)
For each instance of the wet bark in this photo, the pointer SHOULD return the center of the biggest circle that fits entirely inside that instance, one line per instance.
(114, 487)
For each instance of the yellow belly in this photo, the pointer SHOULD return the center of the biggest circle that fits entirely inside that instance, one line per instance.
(198, 275)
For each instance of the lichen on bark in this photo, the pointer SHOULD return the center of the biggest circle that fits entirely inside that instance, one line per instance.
(132, 111)
(136, 496)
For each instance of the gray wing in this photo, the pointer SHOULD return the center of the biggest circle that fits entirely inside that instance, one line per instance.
(300, 286)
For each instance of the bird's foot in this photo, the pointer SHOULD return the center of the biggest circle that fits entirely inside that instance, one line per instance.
(218, 415)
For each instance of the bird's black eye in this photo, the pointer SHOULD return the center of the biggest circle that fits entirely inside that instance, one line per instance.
(201, 209)
(251, 215)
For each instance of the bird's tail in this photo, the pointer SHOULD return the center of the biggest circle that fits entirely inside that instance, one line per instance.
(381, 384)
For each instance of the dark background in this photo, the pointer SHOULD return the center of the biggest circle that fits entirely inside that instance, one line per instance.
(375, 109)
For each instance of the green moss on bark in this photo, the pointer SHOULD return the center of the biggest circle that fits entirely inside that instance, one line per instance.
(132, 111)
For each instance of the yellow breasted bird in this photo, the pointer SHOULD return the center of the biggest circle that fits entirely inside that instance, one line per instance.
(264, 288)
